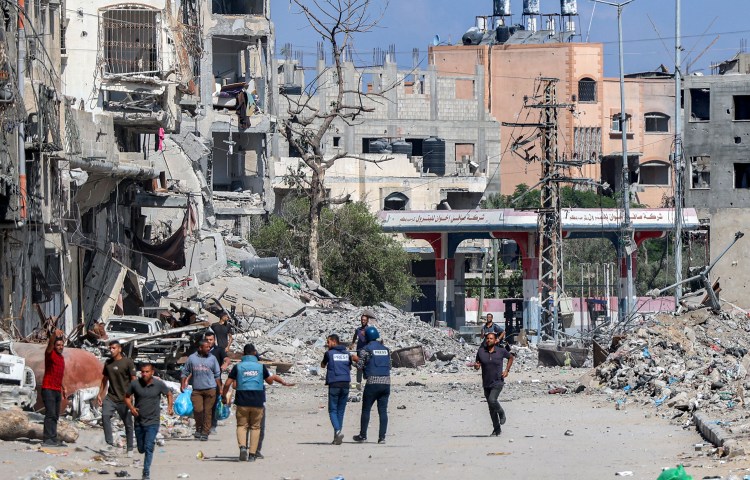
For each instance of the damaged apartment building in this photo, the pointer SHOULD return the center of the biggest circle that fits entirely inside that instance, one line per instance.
(442, 145)
(239, 96)
(716, 156)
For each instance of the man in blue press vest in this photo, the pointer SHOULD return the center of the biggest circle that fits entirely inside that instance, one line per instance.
(375, 360)
(338, 378)
(247, 378)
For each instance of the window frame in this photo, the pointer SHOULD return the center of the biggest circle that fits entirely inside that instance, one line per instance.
(655, 164)
(629, 121)
(657, 116)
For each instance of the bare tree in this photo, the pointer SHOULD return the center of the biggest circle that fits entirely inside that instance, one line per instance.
(306, 124)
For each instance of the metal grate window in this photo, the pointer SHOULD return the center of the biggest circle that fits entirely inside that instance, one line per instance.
(587, 90)
(130, 40)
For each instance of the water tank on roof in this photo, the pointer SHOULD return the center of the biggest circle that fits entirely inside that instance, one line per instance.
(504, 32)
(531, 7)
(434, 156)
(501, 8)
(568, 7)
(380, 145)
(473, 36)
(402, 147)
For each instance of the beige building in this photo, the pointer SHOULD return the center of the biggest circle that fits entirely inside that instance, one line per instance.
(589, 127)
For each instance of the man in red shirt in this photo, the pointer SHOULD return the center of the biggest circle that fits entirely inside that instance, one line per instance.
(53, 391)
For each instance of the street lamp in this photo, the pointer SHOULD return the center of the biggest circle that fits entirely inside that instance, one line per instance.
(626, 247)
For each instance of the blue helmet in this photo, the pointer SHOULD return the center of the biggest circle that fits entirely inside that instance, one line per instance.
(371, 333)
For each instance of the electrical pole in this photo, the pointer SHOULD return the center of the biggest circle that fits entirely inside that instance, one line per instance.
(678, 164)
(626, 247)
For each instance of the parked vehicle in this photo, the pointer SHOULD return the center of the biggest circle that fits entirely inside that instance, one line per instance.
(126, 326)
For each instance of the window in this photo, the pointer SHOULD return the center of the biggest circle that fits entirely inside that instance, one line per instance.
(395, 201)
(237, 7)
(742, 107)
(654, 174)
(700, 172)
(700, 104)
(130, 40)
(616, 127)
(742, 175)
(587, 90)
(336, 141)
(657, 123)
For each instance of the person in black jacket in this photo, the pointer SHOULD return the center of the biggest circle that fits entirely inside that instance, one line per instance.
(338, 363)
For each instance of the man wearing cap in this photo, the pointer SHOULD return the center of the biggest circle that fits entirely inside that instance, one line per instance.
(117, 375)
(358, 342)
(375, 360)
(247, 379)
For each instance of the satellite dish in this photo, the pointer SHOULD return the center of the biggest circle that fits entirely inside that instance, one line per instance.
(436, 40)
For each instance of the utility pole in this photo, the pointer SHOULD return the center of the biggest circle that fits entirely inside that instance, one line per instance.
(626, 247)
(678, 163)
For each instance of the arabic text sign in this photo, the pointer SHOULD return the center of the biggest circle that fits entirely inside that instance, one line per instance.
(444, 218)
(605, 217)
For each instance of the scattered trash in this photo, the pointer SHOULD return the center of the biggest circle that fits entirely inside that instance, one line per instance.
(401, 407)
(338, 477)
(200, 455)
(183, 475)
(122, 474)
(498, 454)
(568, 433)
(415, 384)
(557, 390)
(625, 473)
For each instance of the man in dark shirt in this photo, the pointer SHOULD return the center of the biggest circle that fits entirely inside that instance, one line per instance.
(490, 359)
(224, 331)
(491, 327)
(119, 372)
(247, 379)
(359, 341)
(53, 390)
(143, 399)
(221, 356)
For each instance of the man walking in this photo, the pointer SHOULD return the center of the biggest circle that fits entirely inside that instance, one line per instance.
(118, 373)
(338, 363)
(491, 327)
(490, 359)
(358, 342)
(375, 360)
(143, 399)
(224, 332)
(221, 356)
(202, 371)
(53, 390)
(247, 379)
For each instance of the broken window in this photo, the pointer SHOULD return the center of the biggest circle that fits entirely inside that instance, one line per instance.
(654, 174)
(742, 107)
(587, 90)
(416, 146)
(700, 104)
(742, 175)
(657, 122)
(130, 40)
(616, 124)
(700, 172)
(395, 201)
(237, 7)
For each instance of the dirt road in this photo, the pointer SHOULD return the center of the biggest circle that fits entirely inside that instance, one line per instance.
(442, 432)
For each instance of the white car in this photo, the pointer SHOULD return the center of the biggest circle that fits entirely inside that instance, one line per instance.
(126, 326)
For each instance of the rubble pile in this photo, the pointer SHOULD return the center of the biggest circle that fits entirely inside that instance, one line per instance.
(301, 340)
(695, 361)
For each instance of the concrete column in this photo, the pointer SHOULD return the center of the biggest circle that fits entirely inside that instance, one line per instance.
(459, 296)
(432, 78)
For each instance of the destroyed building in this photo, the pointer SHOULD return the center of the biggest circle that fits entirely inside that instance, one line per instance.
(717, 167)
(442, 145)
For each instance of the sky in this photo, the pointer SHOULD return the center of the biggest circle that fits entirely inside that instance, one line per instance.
(648, 30)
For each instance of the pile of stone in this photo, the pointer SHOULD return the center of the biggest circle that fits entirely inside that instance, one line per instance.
(301, 339)
(695, 361)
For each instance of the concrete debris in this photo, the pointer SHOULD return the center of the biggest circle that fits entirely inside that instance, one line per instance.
(696, 362)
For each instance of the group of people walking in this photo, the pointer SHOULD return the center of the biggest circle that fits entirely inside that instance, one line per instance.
(136, 400)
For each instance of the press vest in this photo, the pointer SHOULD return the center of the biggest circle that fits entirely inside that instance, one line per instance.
(249, 374)
(339, 363)
(379, 364)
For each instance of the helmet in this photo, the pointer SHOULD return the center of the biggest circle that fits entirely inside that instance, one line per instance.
(371, 333)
